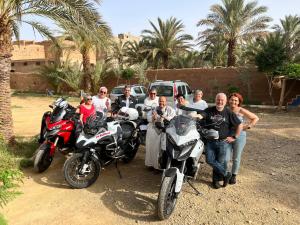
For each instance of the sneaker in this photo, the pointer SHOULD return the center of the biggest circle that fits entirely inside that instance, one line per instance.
(226, 179)
(232, 179)
(216, 184)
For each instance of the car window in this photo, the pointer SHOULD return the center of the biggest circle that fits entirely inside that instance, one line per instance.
(137, 90)
(117, 91)
(162, 90)
(181, 90)
(144, 90)
(189, 91)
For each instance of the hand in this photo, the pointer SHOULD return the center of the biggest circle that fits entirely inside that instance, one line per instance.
(154, 116)
(230, 139)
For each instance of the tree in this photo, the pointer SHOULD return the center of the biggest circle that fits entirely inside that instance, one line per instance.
(236, 21)
(290, 31)
(186, 60)
(80, 13)
(166, 39)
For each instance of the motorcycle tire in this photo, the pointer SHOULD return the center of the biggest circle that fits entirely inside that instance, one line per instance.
(167, 198)
(42, 160)
(130, 154)
(72, 175)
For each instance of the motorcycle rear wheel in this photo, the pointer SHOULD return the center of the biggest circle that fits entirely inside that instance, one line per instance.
(72, 173)
(167, 198)
(42, 160)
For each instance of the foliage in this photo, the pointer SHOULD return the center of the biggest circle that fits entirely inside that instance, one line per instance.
(2, 220)
(186, 60)
(127, 73)
(140, 71)
(232, 89)
(166, 40)
(291, 70)
(272, 53)
(99, 72)
(234, 21)
(10, 175)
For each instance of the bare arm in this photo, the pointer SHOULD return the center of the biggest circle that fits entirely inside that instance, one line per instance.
(252, 118)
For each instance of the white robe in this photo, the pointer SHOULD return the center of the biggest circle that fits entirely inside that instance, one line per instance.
(156, 140)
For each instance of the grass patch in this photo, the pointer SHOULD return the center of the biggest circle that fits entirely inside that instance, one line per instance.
(2, 220)
(25, 147)
(16, 107)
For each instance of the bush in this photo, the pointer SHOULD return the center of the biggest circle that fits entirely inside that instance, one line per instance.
(10, 175)
(291, 70)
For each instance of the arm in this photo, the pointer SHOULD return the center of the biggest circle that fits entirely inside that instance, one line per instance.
(251, 117)
(238, 130)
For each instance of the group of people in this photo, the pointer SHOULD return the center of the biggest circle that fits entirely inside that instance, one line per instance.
(236, 120)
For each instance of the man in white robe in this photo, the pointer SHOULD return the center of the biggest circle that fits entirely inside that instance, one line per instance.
(155, 139)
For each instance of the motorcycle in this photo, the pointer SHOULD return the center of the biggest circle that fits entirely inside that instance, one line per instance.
(180, 160)
(57, 132)
(102, 141)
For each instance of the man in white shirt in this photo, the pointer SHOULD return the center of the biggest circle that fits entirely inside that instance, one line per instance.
(152, 99)
(100, 101)
(198, 102)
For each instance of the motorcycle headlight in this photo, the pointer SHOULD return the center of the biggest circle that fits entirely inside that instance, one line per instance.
(188, 144)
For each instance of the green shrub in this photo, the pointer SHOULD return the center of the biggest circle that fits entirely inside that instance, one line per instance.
(232, 89)
(10, 175)
(2, 220)
(290, 70)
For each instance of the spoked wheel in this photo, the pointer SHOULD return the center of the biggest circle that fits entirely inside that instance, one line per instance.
(42, 159)
(78, 176)
(167, 198)
(131, 150)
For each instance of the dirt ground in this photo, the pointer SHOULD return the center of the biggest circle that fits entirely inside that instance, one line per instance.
(267, 192)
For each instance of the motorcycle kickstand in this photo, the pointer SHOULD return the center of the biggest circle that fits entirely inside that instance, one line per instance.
(119, 172)
(198, 192)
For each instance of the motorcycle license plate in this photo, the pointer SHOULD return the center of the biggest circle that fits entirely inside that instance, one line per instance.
(143, 127)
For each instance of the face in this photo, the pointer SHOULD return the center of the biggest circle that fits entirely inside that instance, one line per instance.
(198, 96)
(88, 100)
(181, 100)
(162, 102)
(221, 101)
(127, 92)
(234, 102)
(102, 93)
(152, 95)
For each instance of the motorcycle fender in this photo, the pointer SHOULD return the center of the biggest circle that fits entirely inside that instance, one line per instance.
(52, 149)
(179, 177)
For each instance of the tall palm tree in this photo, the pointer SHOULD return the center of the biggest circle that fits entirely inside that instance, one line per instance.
(134, 52)
(289, 28)
(166, 39)
(237, 21)
(80, 13)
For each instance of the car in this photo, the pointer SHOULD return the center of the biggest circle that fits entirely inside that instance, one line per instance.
(170, 89)
(138, 91)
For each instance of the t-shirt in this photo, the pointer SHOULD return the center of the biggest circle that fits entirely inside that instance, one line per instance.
(100, 103)
(149, 102)
(198, 105)
(230, 120)
(86, 112)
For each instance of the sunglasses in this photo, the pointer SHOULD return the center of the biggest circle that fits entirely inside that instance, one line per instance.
(89, 99)
(152, 93)
(102, 92)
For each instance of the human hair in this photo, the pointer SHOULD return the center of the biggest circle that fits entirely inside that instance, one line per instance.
(153, 89)
(126, 86)
(103, 89)
(197, 91)
(180, 95)
(239, 96)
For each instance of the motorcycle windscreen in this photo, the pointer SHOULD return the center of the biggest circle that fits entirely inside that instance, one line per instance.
(182, 124)
(57, 114)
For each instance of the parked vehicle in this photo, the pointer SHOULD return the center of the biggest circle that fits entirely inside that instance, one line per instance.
(170, 89)
(57, 132)
(184, 146)
(138, 91)
(101, 143)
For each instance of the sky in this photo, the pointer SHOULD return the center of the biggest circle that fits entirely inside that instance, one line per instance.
(133, 16)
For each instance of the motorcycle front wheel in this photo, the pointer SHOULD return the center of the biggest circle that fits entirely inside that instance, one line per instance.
(131, 150)
(167, 197)
(42, 160)
(78, 176)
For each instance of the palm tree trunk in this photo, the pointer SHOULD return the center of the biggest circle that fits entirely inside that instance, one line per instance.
(165, 62)
(231, 53)
(6, 122)
(86, 64)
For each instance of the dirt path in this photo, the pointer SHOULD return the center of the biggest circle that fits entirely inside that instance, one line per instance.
(267, 191)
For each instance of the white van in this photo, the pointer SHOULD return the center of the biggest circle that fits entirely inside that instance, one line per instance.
(170, 89)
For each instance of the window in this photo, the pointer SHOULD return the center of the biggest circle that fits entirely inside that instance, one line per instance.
(117, 91)
(37, 63)
(144, 90)
(166, 91)
(189, 91)
(137, 90)
(25, 63)
(12, 64)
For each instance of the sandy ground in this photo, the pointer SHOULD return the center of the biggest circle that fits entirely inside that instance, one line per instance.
(267, 192)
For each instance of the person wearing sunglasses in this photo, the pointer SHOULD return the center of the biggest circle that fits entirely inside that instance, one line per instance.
(101, 102)
(152, 99)
(86, 109)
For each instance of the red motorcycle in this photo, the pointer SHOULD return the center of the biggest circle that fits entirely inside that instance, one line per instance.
(57, 132)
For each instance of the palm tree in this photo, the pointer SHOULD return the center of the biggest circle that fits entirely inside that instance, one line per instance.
(166, 39)
(134, 52)
(237, 21)
(186, 60)
(290, 30)
(80, 13)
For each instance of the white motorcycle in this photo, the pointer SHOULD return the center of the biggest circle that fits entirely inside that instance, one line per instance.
(180, 159)
(101, 143)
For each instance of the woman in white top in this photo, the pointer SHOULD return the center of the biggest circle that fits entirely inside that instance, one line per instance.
(198, 102)
(101, 102)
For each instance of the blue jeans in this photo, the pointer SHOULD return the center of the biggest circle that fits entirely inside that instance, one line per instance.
(237, 150)
(215, 157)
